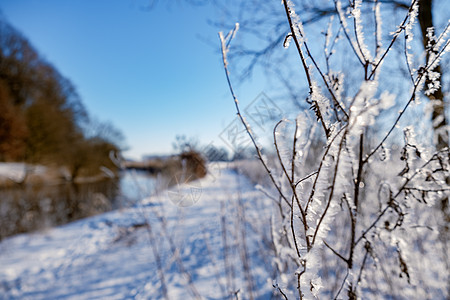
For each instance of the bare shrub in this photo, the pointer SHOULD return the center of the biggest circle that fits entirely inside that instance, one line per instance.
(357, 219)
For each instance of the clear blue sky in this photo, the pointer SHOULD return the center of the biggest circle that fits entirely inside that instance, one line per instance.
(149, 72)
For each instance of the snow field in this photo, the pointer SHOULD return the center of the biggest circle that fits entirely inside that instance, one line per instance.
(151, 250)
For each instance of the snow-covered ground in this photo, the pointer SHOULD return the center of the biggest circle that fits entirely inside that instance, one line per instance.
(159, 247)
(17, 171)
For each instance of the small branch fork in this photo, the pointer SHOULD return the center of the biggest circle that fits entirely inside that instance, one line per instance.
(305, 66)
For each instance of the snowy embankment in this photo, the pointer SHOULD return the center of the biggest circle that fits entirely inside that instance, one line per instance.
(153, 249)
(16, 172)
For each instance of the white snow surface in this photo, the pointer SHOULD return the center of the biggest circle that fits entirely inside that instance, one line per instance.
(112, 256)
(17, 171)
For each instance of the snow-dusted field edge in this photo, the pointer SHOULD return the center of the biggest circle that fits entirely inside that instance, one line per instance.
(151, 250)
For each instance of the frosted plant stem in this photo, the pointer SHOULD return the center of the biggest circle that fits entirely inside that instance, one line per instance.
(330, 197)
(363, 235)
(313, 190)
(367, 248)
(408, 65)
(280, 291)
(359, 33)
(418, 82)
(288, 11)
(213, 262)
(228, 270)
(293, 229)
(292, 186)
(378, 27)
(294, 153)
(152, 239)
(435, 156)
(354, 214)
(176, 253)
(243, 251)
(159, 265)
(397, 33)
(337, 106)
(224, 46)
(343, 22)
(342, 286)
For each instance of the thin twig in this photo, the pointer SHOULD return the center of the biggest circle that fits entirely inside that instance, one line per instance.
(362, 265)
(291, 183)
(342, 286)
(305, 66)
(401, 28)
(347, 35)
(293, 188)
(281, 292)
(306, 177)
(335, 252)
(330, 197)
(224, 46)
(363, 235)
(313, 189)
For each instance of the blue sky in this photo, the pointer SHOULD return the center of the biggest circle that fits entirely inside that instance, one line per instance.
(152, 73)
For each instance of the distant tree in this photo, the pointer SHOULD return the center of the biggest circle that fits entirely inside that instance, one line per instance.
(213, 153)
(90, 156)
(94, 128)
(13, 129)
(244, 153)
(42, 117)
(52, 130)
(184, 144)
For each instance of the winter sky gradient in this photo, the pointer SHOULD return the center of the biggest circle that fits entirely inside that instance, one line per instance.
(152, 73)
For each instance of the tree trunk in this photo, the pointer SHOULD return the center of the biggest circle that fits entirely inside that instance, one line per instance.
(438, 118)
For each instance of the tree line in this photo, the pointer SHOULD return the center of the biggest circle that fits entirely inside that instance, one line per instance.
(42, 118)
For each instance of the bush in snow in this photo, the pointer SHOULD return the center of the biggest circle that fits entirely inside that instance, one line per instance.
(367, 216)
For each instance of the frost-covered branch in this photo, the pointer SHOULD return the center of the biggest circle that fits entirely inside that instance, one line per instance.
(225, 43)
(349, 210)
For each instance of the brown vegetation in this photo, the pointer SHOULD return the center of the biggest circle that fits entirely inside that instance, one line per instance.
(190, 163)
(42, 119)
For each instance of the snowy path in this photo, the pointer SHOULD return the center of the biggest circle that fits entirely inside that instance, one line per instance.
(155, 246)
